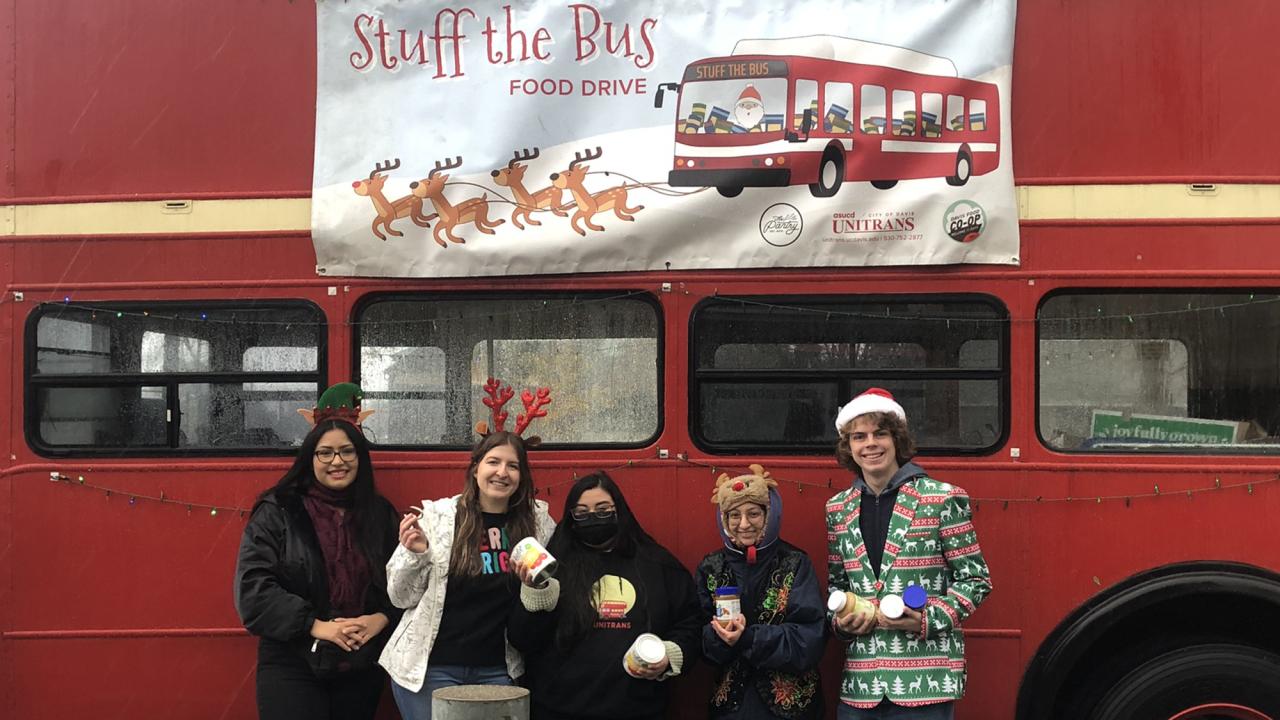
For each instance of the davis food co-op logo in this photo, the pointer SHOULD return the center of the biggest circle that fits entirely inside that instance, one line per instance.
(964, 221)
(781, 224)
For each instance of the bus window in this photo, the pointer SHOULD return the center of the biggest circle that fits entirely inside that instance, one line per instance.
(977, 115)
(904, 112)
(955, 113)
(770, 374)
(1160, 371)
(806, 99)
(873, 110)
(160, 378)
(930, 112)
(839, 99)
(424, 361)
(728, 106)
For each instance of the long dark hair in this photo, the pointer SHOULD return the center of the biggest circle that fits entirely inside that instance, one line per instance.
(300, 476)
(468, 526)
(580, 564)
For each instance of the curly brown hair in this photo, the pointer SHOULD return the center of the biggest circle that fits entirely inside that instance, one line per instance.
(904, 447)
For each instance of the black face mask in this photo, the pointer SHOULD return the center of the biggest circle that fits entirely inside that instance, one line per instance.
(596, 531)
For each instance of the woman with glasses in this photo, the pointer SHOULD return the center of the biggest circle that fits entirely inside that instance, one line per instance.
(451, 573)
(310, 581)
(614, 584)
(766, 654)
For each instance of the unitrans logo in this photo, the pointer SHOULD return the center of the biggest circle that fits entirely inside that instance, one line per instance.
(780, 225)
(964, 221)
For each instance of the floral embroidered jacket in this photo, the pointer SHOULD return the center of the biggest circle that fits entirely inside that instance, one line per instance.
(932, 543)
(771, 671)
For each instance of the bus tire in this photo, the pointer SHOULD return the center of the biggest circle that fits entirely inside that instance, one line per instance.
(729, 191)
(1196, 676)
(830, 174)
(883, 184)
(964, 168)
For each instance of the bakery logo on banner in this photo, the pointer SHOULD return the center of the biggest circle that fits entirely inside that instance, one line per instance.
(964, 221)
(781, 224)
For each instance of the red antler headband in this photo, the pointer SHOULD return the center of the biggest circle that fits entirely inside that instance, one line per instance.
(498, 395)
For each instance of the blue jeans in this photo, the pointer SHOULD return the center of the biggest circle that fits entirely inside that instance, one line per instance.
(889, 711)
(417, 705)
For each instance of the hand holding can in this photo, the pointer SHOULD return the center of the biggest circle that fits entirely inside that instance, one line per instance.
(646, 657)
(538, 565)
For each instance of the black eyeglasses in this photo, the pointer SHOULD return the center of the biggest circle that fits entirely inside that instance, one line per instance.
(325, 455)
(603, 514)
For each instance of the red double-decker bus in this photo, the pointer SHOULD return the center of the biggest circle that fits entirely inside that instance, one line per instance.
(822, 110)
(1110, 404)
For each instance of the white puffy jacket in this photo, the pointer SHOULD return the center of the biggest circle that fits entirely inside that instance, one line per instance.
(417, 582)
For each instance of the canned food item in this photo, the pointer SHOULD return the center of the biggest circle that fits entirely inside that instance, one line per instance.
(644, 653)
(846, 603)
(529, 553)
(728, 605)
(915, 597)
(892, 606)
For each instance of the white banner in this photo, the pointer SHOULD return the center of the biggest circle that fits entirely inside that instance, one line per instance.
(526, 137)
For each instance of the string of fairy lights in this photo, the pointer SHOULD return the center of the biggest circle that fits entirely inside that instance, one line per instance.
(548, 489)
(534, 305)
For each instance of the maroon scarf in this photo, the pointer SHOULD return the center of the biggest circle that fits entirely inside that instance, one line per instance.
(345, 566)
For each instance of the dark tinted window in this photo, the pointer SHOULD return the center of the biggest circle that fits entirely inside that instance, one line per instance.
(164, 377)
(770, 374)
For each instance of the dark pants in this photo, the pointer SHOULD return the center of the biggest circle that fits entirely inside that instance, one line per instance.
(288, 690)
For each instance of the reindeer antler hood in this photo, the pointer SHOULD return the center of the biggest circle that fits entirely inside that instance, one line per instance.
(756, 487)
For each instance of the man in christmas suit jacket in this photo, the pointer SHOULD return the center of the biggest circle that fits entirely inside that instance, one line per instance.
(897, 527)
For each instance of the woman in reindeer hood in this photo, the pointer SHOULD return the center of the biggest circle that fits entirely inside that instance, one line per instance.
(766, 656)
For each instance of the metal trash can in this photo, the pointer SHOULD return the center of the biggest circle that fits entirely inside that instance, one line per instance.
(480, 702)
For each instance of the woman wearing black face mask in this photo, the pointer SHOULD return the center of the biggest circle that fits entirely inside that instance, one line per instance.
(615, 583)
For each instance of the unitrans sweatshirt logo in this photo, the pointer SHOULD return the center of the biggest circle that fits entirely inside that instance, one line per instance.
(964, 221)
(781, 224)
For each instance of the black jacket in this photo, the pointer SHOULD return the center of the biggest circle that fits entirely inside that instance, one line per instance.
(281, 588)
(771, 671)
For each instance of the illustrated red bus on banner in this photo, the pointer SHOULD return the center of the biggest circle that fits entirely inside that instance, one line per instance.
(822, 110)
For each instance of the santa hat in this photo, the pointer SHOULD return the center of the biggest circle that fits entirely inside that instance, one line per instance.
(749, 93)
(874, 400)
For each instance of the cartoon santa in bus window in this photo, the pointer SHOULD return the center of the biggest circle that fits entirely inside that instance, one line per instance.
(749, 111)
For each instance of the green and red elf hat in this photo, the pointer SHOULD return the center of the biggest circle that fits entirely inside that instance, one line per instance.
(339, 402)
(498, 395)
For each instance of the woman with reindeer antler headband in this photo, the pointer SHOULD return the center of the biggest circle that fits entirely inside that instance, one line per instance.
(451, 572)
(309, 577)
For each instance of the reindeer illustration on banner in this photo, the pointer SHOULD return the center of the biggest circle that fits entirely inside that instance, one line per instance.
(474, 210)
(409, 206)
(512, 176)
(589, 204)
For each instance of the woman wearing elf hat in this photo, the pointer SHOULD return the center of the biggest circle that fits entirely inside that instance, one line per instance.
(897, 531)
(451, 570)
(309, 577)
(766, 655)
